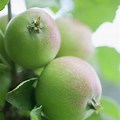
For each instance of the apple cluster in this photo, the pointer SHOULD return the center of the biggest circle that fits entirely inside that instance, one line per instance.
(68, 87)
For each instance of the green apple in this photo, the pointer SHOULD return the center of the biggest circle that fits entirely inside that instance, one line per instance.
(75, 38)
(32, 38)
(68, 89)
(3, 54)
(3, 22)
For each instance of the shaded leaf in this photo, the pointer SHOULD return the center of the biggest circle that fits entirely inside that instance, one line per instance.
(95, 12)
(3, 3)
(23, 96)
(1, 116)
(111, 108)
(96, 116)
(109, 61)
(4, 86)
(3, 68)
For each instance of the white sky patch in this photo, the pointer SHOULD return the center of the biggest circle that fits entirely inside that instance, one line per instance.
(108, 34)
(67, 5)
(17, 7)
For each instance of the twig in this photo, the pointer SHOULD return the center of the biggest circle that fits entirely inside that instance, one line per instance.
(9, 11)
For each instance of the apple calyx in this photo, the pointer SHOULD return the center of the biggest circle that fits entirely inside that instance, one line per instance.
(35, 26)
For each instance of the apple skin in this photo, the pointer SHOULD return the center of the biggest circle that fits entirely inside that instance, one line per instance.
(32, 38)
(75, 38)
(66, 87)
(3, 53)
(3, 22)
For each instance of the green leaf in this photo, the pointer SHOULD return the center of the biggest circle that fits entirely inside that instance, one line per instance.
(110, 111)
(23, 96)
(35, 114)
(3, 3)
(3, 68)
(95, 12)
(55, 4)
(108, 60)
(111, 108)
(96, 116)
(4, 86)
(1, 116)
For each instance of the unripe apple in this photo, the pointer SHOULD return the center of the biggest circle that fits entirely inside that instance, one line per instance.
(3, 22)
(32, 38)
(68, 89)
(75, 38)
(3, 54)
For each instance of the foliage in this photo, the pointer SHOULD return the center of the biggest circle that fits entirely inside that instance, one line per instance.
(22, 96)
(108, 60)
(3, 3)
(95, 12)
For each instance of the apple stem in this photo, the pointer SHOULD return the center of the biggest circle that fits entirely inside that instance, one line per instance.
(37, 23)
(13, 65)
(9, 11)
(94, 105)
